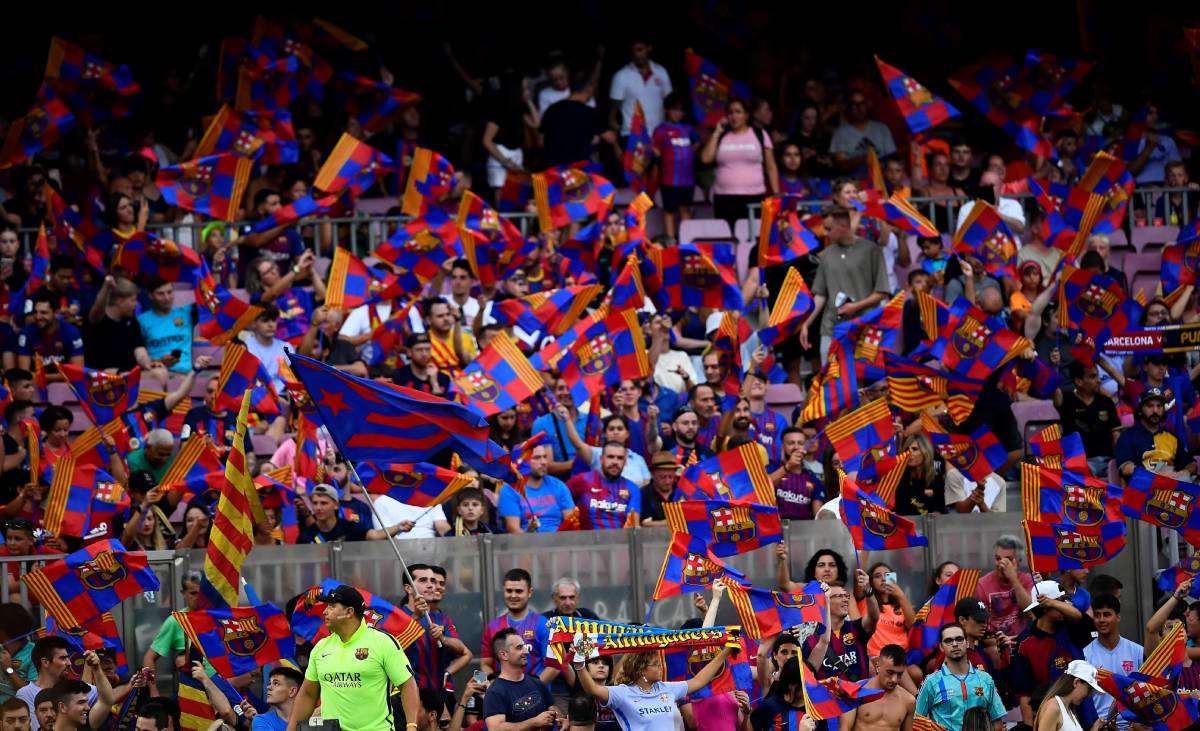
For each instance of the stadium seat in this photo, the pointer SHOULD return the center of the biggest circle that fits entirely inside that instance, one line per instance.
(1027, 412)
(784, 394)
(1142, 263)
(703, 228)
(263, 444)
(1145, 235)
(374, 206)
(743, 259)
(741, 231)
(184, 297)
(60, 393)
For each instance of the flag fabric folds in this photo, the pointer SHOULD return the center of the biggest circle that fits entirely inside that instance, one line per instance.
(973, 344)
(873, 526)
(500, 378)
(1163, 501)
(221, 315)
(265, 136)
(1052, 495)
(1150, 704)
(419, 484)
(766, 613)
(430, 179)
(1057, 547)
(353, 166)
(735, 475)
(986, 235)
(833, 697)
(976, 455)
(147, 254)
(639, 154)
(921, 109)
(212, 185)
(938, 612)
(103, 396)
(566, 195)
(792, 305)
(1186, 570)
(689, 566)
(380, 613)
(352, 283)
(858, 432)
(91, 581)
(781, 236)
(82, 498)
(238, 640)
(551, 312)
(711, 89)
(726, 528)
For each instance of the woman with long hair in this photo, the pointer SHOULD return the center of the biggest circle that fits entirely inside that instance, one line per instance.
(745, 161)
(896, 613)
(504, 429)
(787, 695)
(922, 487)
(1057, 712)
(265, 284)
(941, 575)
(600, 669)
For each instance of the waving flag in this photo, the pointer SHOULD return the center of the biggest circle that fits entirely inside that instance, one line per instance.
(70, 63)
(628, 291)
(1161, 500)
(353, 166)
(978, 83)
(194, 467)
(212, 185)
(1045, 80)
(1050, 448)
(835, 391)
(419, 484)
(375, 423)
(239, 640)
(682, 663)
(781, 236)
(308, 205)
(690, 566)
(871, 335)
(1180, 263)
(938, 612)
(43, 125)
(873, 527)
(732, 333)
(859, 431)
(833, 697)
(95, 635)
(90, 581)
(735, 475)
(308, 624)
(919, 107)
(353, 284)
(695, 275)
(495, 246)
(792, 305)
(552, 312)
(1186, 570)
(500, 378)
(727, 529)
(976, 455)
(903, 215)
(103, 396)
(1151, 705)
(914, 387)
(221, 315)
(1095, 304)
(82, 498)
(1055, 496)
(986, 235)
(566, 195)
(711, 89)
(373, 104)
(242, 371)
(1057, 547)
(1167, 658)
(639, 154)
(417, 251)
(766, 613)
(973, 344)
(598, 353)
(430, 179)
(147, 254)
(265, 136)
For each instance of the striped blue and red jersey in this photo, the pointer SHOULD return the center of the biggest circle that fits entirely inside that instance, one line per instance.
(429, 660)
(708, 432)
(532, 629)
(767, 429)
(675, 145)
(604, 504)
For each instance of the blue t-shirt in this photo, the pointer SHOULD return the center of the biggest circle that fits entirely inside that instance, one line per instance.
(656, 710)
(517, 701)
(164, 333)
(270, 721)
(556, 434)
(547, 501)
(65, 344)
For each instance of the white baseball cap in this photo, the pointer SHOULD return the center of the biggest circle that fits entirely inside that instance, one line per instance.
(1086, 672)
(1048, 589)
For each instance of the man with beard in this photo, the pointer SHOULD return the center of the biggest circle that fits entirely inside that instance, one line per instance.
(894, 710)
(607, 500)
(683, 444)
(703, 400)
(1146, 444)
(738, 430)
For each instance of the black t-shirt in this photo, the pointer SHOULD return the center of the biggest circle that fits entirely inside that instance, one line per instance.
(994, 409)
(11, 481)
(517, 701)
(568, 128)
(404, 376)
(508, 113)
(774, 275)
(652, 503)
(344, 530)
(110, 344)
(1094, 422)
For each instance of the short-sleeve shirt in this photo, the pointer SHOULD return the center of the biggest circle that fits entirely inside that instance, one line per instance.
(1094, 422)
(547, 501)
(29, 693)
(857, 269)
(740, 163)
(851, 140)
(847, 653)
(604, 504)
(766, 428)
(517, 701)
(1042, 657)
(630, 86)
(1004, 615)
(532, 628)
(404, 376)
(166, 332)
(62, 346)
(285, 248)
(796, 493)
(1125, 658)
(110, 344)
(1151, 450)
(945, 697)
(343, 530)
(556, 434)
(653, 710)
(270, 721)
(428, 658)
(675, 145)
(356, 677)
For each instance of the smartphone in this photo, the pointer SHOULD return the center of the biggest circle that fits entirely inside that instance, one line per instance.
(479, 676)
(176, 353)
(889, 578)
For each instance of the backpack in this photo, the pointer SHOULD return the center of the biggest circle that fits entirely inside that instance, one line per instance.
(758, 135)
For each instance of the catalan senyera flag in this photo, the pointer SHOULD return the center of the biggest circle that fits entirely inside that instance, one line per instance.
(500, 378)
(1049, 495)
(1166, 660)
(735, 475)
(195, 709)
(380, 613)
(766, 613)
(352, 165)
(859, 431)
(103, 396)
(921, 109)
(689, 566)
(1163, 501)
(352, 283)
(711, 89)
(726, 528)
(639, 154)
(232, 535)
(430, 179)
(872, 526)
(91, 581)
(833, 697)
(986, 235)
(1057, 547)
(974, 344)
(938, 612)
(238, 640)
(212, 185)
(566, 195)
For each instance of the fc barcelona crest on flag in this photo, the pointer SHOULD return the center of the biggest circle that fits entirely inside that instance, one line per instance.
(196, 179)
(1084, 505)
(101, 572)
(970, 337)
(1151, 703)
(479, 386)
(1170, 507)
(699, 657)
(698, 570)
(597, 356)
(1078, 546)
(575, 185)
(732, 524)
(876, 519)
(105, 389)
(243, 637)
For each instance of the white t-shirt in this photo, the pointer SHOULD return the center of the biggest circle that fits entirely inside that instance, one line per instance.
(653, 711)
(628, 87)
(1007, 207)
(635, 466)
(549, 95)
(1125, 658)
(269, 355)
(358, 322)
(393, 511)
(664, 371)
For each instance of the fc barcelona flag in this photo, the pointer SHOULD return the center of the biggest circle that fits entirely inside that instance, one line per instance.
(551, 312)
(860, 431)
(212, 185)
(380, 613)
(727, 528)
(919, 107)
(1167, 658)
(781, 236)
(681, 664)
(767, 613)
(1095, 304)
(938, 612)
(690, 566)
(1161, 500)
(627, 289)
(1180, 263)
(418, 484)
(353, 284)
(986, 235)
(500, 378)
(694, 275)
(242, 371)
(265, 136)
(308, 205)
(903, 215)
(82, 498)
(430, 179)
(833, 697)
(639, 154)
(711, 89)
(70, 63)
(1148, 702)
(914, 387)
(194, 464)
(870, 336)
(981, 84)
(1050, 448)
(417, 251)
(373, 104)
(566, 195)
(45, 124)
(238, 640)
(598, 353)
(94, 635)
(147, 254)
(976, 455)
(792, 305)
(353, 166)
(974, 344)
(1055, 496)
(1057, 547)
(873, 527)
(735, 475)
(90, 581)
(835, 391)
(103, 396)
(1186, 570)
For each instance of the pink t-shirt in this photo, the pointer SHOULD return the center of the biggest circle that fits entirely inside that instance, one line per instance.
(1001, 601)
(740, 164)
(718, 712)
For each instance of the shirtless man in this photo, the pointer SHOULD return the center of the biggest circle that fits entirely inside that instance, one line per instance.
(895, 709)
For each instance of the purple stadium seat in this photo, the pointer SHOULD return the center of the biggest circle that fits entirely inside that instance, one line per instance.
(1146, 235)
(1142, 264)
(741, 231)
(59, 393)
(263, 444)
(743, 259)
(784, 394)
(703, 228)
(185, 297)
(1030, 411)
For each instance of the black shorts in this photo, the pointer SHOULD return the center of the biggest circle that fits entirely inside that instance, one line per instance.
(675, 197)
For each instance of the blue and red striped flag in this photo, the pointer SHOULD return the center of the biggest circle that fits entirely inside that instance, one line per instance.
(1050, 448)
(977, 84)
(767, 613)
(275, 491)
(373, 104)
(90, 581)
(147, 254)
(353, 166)
(732, 333)
(430, 179)
(418, 484)
(212, 185)
(307, 205)
(1189, 233)
(781, 236)
(495, 247)
(986, 235)
(70, 63)
(1045, 80)
(1163, 501)
(552, 312)
(833, 697)
(974, 344)
(902, 214)
(239, 640)
(1055, 547)
(976, 455)
(595, 354)
(835, 391)
(682, 663)
(638, 160)
(264, 136)
(694, 275)
(371, 422)
(1049, 495)
(938, 612)
(379, 612)
(103, 396)
(242, 371)
(516, 193)
(1186, 570)
(1180, 263)
(197, 467)
(418, 249)
(689, 565)
(711, 89)
(221, 315)
(726, 528)
(1095, 304)
(628, 290)
(566, 195)
(96, 634)
(914, 387)
(352, 283)
(792, 305)
(500, 378)
(1150, 703)
(735, 475)
(854, 434)
(870, 336)
(82, 498)
(921, 109)
(43, 125)
(872, 526)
